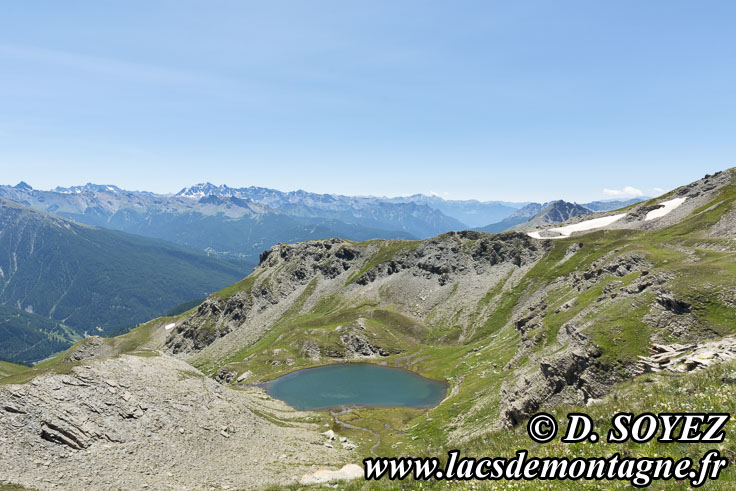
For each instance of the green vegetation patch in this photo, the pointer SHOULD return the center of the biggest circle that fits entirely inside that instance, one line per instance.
(246, 284)
(7, 369)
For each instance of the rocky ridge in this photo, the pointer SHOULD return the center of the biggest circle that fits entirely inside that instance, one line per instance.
(437, 276)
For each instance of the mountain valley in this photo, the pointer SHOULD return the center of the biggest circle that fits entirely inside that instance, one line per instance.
(60, 280)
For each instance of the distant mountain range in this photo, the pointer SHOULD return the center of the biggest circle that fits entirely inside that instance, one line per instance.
(60, 280)
(241, 221)
(244, 221)
(472, 213)
(420, 216)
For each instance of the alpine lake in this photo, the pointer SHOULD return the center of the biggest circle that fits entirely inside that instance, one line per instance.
(356, 384)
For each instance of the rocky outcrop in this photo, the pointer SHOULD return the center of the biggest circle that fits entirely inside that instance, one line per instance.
(616, 265)
(285, 268)
(225, 375)
(213, 319)
(131, 422)
(311, 350)
(688, 357)
(448, 256)
(571, 376)
(671, 316)
(357, 346)
(92, 347)
(640, 213)
(672, 304)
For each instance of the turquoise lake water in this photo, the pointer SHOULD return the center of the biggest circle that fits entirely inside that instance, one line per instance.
(360, 384)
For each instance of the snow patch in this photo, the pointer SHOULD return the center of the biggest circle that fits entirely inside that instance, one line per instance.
(169, 327)
(579, 227)
(668, 207)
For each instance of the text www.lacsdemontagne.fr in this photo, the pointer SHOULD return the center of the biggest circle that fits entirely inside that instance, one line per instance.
(639, 472)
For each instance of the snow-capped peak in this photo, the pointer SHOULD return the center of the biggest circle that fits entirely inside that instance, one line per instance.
(89, 187)
(206, 189)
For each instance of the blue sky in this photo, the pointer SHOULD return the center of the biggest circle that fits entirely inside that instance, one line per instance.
(514, 100)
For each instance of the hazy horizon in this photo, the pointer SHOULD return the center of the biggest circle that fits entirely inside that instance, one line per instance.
(494, 101)
(430, 195)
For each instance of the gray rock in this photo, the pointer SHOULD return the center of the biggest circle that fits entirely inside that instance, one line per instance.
(92, 347)
(156, 431)
(669, 302)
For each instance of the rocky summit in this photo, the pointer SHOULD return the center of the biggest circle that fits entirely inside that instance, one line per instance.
(629, 309)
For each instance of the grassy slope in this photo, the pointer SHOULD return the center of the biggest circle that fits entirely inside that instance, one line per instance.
(10, 487)
(7, 369)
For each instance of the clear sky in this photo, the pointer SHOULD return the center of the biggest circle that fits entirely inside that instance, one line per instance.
(509, 100)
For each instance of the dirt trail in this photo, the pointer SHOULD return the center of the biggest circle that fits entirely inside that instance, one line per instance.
(348, 410)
